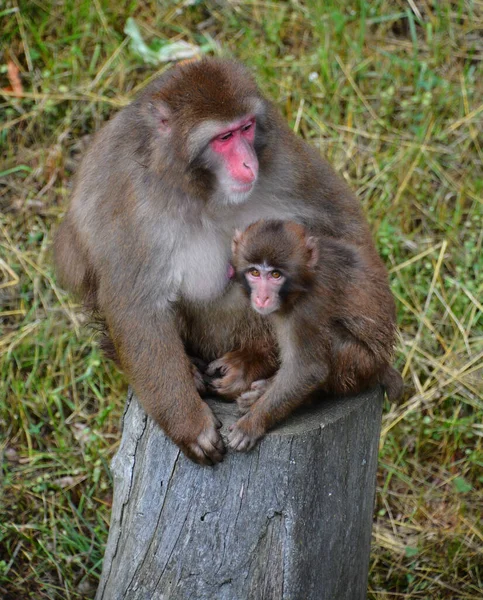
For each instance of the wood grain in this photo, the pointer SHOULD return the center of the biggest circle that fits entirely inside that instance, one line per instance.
(290, 520)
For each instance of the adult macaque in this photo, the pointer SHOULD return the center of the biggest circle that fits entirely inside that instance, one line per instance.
(146, 240)
(333, 317)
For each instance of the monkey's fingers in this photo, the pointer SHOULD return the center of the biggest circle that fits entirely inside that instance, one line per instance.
(244, 434)
(230, 386)
(212, 444)
(196, 454)
(217, 365)
(240, 441)
(198, 379)
(246, 401)
(201, 440)
(208, 449)
(214, 451)
(260, 385)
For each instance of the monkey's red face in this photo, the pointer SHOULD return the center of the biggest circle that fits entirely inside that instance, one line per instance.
(237, 160)
(265, 284)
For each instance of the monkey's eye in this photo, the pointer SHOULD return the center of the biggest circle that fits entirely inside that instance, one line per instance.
(254, 272)
(276, 274)
(247, 126)
(226, 136)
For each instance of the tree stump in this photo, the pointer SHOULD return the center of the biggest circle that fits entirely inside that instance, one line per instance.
(289, 520)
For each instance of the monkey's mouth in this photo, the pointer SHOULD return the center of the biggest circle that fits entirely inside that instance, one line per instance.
(264, 311)
(242, 188)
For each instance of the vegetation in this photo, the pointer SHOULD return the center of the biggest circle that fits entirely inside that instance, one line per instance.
(390, 91)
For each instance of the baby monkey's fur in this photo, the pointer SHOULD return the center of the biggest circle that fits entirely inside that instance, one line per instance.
(334, 324)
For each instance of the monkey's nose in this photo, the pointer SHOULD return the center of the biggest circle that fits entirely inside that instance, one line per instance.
(250, 175)
(262, 302)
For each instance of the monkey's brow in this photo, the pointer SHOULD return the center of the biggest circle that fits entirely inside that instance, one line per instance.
(207, 130)
(260, 266)
(200, 135)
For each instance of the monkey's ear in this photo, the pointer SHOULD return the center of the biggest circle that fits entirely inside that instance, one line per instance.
(312, 250)
(236, 240)
(160, 114)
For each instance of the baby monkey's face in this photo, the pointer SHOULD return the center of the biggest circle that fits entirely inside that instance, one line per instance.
(265, 283)
(274, 261)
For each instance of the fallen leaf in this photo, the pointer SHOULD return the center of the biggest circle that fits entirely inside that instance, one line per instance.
(168, 51)
(13, 75)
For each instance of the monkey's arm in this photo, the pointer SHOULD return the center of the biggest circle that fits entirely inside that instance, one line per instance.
(286, 391)
(152, 354)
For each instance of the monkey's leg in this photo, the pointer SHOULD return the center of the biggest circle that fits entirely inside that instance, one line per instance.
(290, 388)
(240, 368)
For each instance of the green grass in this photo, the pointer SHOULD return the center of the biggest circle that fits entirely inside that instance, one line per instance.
(391, 93)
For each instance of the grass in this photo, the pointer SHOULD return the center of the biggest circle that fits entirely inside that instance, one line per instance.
(391, 92)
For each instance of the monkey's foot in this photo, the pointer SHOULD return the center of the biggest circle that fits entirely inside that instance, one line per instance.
(208, 447)
(245, 433)
(235, 371)
(229, 378)
(247, 399)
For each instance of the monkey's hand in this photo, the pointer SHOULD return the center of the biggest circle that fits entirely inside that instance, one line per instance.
(245, 433)
(235, 371)
(197, 376)
(247, 399)
(200, 438)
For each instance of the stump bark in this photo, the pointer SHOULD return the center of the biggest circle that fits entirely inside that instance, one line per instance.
(290, 520)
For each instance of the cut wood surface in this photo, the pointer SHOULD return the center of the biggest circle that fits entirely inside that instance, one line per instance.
(289, 520)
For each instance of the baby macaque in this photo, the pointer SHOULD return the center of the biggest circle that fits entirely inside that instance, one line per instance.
(333, 316)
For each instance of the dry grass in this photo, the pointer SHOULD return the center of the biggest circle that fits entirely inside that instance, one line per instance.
(391, 92)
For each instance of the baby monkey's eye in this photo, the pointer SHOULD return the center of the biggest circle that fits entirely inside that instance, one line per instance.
(254, 272)
(276, 274)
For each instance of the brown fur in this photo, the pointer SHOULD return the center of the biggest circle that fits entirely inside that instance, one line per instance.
(240, 368)
(335, 327)
(146, 240)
